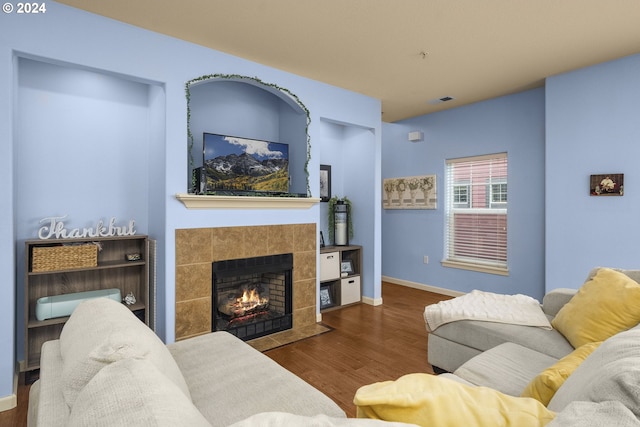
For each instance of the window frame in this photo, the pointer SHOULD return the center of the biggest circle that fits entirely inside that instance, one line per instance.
(496, 211)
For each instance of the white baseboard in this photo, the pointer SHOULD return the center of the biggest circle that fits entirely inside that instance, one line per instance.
(372, 301)
(8, 402)
(11, 401)
(421, 286)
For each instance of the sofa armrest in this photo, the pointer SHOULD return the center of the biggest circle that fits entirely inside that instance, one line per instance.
(556, 299)
(220, 369)
(49, 408)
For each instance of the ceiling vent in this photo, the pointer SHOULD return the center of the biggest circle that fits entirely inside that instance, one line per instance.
(441, 100)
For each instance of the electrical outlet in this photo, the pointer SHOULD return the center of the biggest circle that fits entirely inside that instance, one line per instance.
(425, 259)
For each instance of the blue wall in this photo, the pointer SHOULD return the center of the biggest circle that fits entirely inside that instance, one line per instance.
(512, 124)
(99, 107)
(593, 127)
(583, 122)
(354, 155)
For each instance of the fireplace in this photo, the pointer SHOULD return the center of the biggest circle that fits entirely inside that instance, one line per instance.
(252, 297)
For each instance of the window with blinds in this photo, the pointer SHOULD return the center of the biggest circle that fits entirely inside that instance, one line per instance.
(476, 213)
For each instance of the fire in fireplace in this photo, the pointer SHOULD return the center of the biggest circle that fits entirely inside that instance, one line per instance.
(252, 297)
(246, 300)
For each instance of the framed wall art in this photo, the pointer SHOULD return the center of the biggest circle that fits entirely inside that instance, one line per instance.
(608, 184)
(325, 183)
(411, 192)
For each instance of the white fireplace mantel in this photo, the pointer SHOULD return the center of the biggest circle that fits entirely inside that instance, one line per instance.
(197, 201)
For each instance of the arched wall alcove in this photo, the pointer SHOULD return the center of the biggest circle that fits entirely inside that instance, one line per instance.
(248, 108)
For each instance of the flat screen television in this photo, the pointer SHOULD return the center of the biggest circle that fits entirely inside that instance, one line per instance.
(234, 165)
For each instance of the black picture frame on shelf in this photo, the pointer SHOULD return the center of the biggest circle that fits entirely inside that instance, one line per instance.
(346, 267)
(325, 298)
(325, 183)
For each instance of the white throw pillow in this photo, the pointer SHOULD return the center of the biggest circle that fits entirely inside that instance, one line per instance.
(102, 331)
(133, 392)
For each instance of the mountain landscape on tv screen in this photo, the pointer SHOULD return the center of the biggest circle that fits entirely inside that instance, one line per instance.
(244, 172)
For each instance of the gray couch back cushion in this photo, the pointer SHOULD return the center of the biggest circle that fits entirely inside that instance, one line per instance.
(633, 274)
(589, 414)
(611, 372)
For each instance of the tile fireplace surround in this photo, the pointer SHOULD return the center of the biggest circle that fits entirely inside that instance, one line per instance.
(198, 248)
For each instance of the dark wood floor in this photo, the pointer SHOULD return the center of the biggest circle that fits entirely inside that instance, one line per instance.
(368, 344)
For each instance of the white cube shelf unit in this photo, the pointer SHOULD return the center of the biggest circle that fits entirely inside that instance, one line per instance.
(340, 276)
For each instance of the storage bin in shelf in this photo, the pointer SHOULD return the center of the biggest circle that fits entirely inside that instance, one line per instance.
(58, 257)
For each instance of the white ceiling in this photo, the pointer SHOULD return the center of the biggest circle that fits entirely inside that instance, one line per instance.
(403, 52)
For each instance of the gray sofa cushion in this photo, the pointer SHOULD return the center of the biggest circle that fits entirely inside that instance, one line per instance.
(507, 368)
(446, 354)
(133, 392)
(633, 274)
(223, 373)
(485, 335)
(456, 378)
(554, 300)
(611, 372)
(590, 414)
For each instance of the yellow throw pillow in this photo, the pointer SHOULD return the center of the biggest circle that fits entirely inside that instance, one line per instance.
(545, 385)
(429, 400)
(602, 307)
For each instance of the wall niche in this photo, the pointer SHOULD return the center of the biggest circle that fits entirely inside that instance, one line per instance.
(246, 107)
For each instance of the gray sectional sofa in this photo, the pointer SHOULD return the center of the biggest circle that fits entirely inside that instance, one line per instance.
(604, 390)
(453, 344)
(109, 369)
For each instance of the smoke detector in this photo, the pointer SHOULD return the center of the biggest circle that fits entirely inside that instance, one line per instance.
(415, 136)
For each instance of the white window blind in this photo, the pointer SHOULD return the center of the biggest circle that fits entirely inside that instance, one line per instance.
(476, 212)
